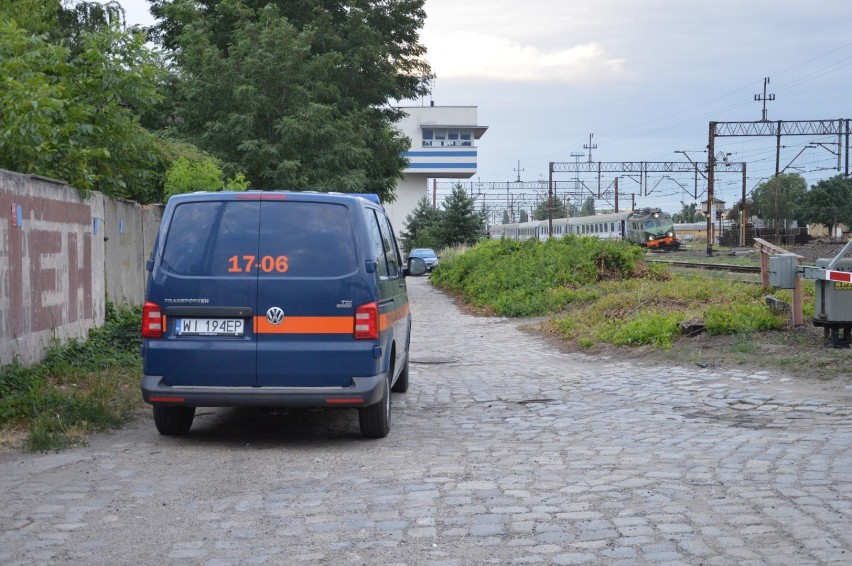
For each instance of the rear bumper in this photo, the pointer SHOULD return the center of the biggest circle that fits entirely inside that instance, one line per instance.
(363, 392)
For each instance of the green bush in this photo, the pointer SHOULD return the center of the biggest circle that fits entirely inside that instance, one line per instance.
(80, 387)
(658, 329)
(532, 277)
(741, 318)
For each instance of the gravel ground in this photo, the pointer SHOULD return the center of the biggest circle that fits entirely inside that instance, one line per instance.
(818, 249)
(811, 252)
(503, 452)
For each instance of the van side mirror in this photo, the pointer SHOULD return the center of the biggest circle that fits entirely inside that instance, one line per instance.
(416, 266)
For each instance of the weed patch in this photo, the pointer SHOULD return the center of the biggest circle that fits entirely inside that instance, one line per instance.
(605, 293)
(657, 329)
(527, 278)
(741, 319)
(79, 388)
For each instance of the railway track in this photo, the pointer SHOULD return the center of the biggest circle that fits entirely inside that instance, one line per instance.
(710, 266)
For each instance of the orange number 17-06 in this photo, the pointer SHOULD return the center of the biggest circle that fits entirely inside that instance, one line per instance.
(267, 263)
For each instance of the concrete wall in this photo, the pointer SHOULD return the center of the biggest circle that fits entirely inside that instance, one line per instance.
(129, 231)
(61, 256)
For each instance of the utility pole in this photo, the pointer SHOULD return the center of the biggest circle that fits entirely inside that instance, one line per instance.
(743, 211)
(550, 199)
(590, 146)
(764, 98)
(616, 195)
(508, 200)
(711, 179)
(518, 171)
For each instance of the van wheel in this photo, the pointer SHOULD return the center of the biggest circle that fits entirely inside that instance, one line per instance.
(401, 385)
(173, 421)
(375, 419)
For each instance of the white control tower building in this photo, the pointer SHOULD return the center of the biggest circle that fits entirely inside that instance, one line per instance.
(443, 146)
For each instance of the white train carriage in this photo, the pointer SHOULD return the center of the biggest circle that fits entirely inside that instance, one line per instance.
(649, 227)
(604, 226)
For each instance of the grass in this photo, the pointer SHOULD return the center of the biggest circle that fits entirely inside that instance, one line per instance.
(79, 388)
(529, 278)
(603, 292)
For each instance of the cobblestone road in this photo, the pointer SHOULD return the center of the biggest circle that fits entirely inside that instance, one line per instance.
(502, 452)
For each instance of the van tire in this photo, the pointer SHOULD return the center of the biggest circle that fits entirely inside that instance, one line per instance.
(173, 421)
(375, 419)
(401, 385)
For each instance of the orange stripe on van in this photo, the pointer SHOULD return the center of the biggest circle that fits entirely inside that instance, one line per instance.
(306, 325)
(324, 324)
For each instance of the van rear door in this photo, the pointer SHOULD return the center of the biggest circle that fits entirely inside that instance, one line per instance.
(310, 283)
(205, 281)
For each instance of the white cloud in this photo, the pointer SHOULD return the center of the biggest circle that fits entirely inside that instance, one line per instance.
(474, 55)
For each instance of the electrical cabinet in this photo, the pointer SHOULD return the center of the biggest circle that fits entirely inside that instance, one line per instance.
(833, 299)
(782, 271)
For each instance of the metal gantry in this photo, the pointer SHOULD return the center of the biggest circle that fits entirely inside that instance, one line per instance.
(513, 196)
(777, 128)
(643, 169)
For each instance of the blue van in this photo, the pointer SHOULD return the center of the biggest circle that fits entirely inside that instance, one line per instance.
(275, 299)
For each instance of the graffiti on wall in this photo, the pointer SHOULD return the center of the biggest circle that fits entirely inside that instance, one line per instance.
(49, 271)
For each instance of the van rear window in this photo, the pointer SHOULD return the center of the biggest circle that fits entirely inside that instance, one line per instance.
(316, 238)
(203, 236)
(238, 238)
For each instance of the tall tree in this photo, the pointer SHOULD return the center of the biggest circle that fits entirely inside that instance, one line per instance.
(506, 219)
(541, 211)
(75, 20)
(688, 214)
(572, 209)
(734, 213)
(779, 200)
(420, 227)
(829, 202)
(460, 222)
(588, 208)
(36, 16)
(75, 117)
(524, 216)
(296, 93)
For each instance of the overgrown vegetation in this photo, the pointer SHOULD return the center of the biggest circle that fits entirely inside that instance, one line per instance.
(600, 292)
(79, 388)
(527, 278)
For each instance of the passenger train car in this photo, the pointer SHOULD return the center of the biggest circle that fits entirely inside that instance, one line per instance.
(648, 227)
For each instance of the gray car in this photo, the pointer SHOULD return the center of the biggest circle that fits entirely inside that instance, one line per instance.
(428, 255)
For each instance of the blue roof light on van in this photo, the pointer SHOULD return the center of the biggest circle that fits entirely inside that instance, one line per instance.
(372, 197)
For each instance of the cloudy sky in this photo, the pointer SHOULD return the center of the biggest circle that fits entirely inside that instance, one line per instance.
(644, 76)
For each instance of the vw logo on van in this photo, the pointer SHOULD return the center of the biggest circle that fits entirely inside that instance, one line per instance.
(275, 315)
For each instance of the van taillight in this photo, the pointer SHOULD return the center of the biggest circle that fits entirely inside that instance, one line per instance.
(367, 322)
(152, 320)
